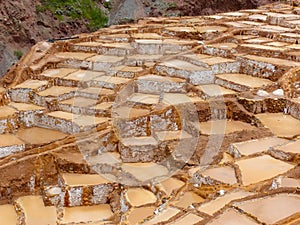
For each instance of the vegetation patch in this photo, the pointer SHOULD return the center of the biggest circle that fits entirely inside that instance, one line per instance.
(171, 5)
(76, 9)
(18, 54)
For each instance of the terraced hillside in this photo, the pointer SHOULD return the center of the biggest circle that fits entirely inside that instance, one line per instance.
(26, 22)
(181, 120)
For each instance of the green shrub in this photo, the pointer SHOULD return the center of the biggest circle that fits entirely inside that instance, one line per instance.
(171, 5)
(18, 54)
(40, 8)
(107, 5)
(77, 9)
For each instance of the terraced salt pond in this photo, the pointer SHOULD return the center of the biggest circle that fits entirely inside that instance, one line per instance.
(145, 124)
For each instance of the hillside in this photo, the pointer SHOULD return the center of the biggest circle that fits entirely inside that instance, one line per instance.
(26, 22)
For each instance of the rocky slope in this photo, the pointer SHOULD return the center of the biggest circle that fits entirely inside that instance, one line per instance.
(23, 23)
(127, 10)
